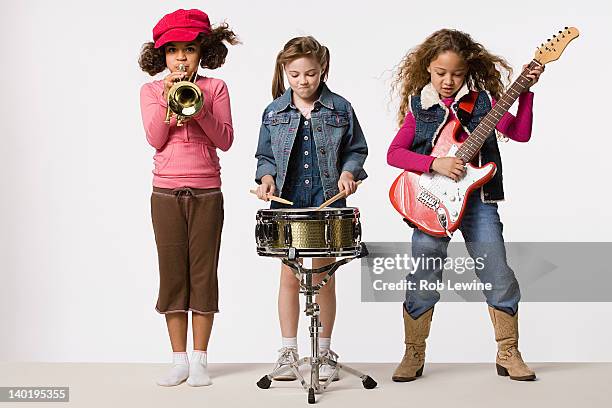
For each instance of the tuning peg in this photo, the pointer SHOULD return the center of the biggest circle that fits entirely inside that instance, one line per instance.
(560, 32)
(566, 28)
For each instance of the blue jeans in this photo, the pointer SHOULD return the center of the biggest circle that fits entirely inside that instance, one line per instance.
(482, 231)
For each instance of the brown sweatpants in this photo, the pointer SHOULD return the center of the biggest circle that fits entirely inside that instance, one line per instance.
(187, 223)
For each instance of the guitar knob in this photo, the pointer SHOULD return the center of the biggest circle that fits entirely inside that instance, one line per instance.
(454, 213)
(452, 198)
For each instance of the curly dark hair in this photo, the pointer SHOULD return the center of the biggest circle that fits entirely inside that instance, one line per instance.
(212, 50)
(486, 71)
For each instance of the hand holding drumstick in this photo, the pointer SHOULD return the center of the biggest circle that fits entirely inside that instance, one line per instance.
(265, 191)
(346, 185)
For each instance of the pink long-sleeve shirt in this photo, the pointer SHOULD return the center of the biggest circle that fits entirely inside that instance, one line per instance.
(516, 128)
(186, 156)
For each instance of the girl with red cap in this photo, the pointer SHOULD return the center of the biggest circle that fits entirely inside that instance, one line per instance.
(186, 202)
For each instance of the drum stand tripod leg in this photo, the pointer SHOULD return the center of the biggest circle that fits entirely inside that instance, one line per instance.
(315, 360)
(312, 310)
(294, 367)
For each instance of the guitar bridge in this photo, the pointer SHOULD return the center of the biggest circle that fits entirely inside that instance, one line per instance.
(428, 199)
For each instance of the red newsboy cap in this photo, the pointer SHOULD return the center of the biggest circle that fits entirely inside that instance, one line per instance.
(180, 25)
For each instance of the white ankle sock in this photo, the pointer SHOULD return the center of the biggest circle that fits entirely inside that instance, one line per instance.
(324, 343)
(178, 373)
(290, 342)
(198, 369)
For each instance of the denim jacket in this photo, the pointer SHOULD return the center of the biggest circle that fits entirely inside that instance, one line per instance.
(339, 141)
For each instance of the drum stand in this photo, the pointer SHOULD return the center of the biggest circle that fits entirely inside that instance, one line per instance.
(315, 361)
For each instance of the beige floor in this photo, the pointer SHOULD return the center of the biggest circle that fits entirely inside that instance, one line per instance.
(582, 385)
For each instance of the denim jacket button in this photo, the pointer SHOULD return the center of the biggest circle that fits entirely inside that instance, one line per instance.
(322, 150)
(326, 173)
(319, 129)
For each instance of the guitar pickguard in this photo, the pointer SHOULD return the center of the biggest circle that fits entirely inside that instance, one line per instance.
(439, 191)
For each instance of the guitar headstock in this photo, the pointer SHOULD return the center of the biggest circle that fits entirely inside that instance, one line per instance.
(552, 49)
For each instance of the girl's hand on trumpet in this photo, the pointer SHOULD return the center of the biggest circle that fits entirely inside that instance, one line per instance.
(171, 79)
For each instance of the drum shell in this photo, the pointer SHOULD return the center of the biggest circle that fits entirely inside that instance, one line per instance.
(326, 233)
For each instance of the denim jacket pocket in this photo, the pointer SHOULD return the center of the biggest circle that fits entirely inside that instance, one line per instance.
(280, 118)
(336, 125)
(425, 116)
(339, 119)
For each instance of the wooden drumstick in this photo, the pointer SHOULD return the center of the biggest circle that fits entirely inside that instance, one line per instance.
(335, 198)
(274, 198)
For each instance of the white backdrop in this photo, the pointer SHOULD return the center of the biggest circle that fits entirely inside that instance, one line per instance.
(78, 262)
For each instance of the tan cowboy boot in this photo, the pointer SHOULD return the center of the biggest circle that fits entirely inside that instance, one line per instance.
(416, 331)
(509, 361)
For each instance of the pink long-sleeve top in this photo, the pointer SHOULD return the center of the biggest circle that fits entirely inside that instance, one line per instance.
(186, 156)
(516, 128)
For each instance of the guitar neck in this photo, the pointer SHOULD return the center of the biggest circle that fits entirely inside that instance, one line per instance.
(471, 146)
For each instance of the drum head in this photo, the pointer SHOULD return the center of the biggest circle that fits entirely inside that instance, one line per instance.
(307, 213)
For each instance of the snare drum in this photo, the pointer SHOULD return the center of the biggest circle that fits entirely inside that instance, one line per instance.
(326, 233)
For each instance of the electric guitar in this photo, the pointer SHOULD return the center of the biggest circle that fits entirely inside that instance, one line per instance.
(435, 203)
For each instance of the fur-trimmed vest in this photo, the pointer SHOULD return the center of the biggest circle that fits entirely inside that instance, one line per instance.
(431, 114)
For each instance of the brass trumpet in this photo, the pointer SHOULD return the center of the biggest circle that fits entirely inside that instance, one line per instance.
(185, 99)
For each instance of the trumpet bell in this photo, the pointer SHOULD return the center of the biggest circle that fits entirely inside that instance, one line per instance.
(185, 99)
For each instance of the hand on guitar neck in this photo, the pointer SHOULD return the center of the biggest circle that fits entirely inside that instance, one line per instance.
(534, 74)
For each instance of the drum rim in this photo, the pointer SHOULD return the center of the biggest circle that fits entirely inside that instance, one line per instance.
(310, 252)
(288, 213)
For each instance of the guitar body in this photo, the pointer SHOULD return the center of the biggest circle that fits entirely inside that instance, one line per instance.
(435, 203)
